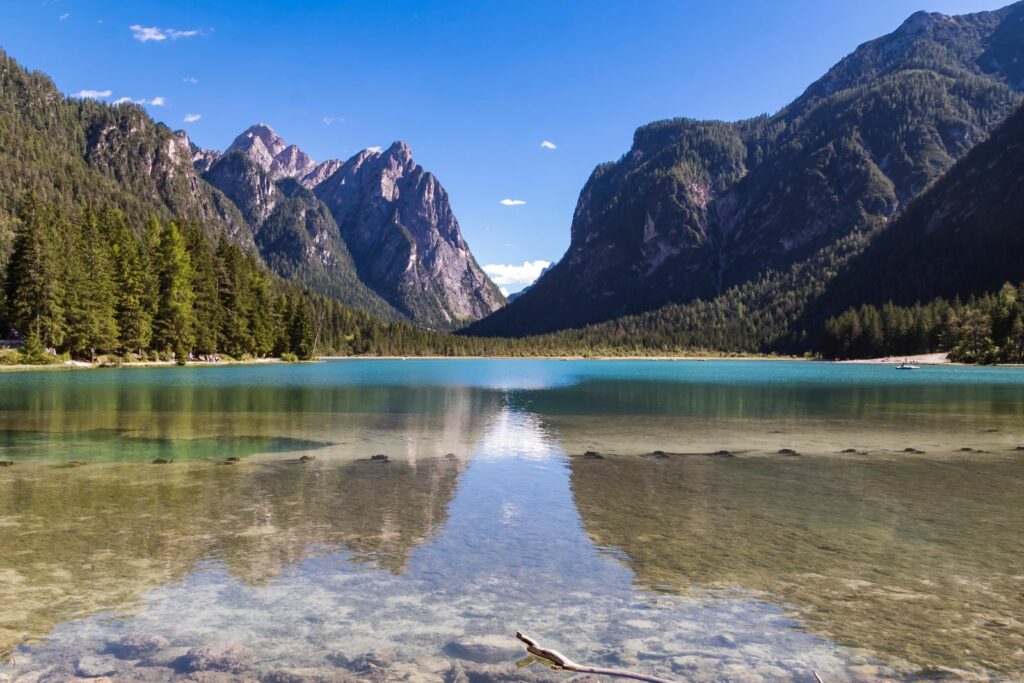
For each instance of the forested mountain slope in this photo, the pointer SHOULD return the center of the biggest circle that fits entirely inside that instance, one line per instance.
(697, 209)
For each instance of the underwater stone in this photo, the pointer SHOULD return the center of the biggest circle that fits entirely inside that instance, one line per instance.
(787, 451)
(94, 666)
(593, 455)
(230, 658)
(162, 461)
(136, 645)
(849, 450)
(307, 458)
(490, 649)
(380, 457)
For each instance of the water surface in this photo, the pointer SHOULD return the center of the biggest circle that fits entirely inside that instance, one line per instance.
(489, 518)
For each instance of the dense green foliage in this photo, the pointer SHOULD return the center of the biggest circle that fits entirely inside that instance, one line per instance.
(71, 152)
(86, 284)
(988, 329)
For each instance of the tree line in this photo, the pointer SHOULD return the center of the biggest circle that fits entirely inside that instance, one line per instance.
(87, 284)
(986, 329)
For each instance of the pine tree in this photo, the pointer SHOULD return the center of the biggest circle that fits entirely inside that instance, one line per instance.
(89, 289)
(174, 322)
(33, 284)
(301, 332)
(131, 277)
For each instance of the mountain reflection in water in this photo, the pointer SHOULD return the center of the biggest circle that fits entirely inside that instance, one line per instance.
(488, 519)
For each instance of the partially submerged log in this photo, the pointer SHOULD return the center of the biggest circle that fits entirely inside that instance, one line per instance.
(556, 660)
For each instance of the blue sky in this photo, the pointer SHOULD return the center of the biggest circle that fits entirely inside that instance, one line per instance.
(475, 88)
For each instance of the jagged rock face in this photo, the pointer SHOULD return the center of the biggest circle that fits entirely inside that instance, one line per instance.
(697, 207)
(398, 224)
(320, 173)
(246, 184)
(268, 151)
(157, 163)
(203, 159)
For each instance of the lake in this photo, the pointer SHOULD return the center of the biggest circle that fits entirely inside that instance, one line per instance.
(684, 545)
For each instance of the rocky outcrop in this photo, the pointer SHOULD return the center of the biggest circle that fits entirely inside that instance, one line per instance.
(698, 207)
(267, 150)
(407, 245)
(375, 232)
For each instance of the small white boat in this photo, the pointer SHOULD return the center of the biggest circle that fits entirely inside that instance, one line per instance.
(907, 365)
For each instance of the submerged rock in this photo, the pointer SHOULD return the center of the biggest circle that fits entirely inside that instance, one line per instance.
(94, 666)
(721, 454)
(849, 450)
(912, 450)
(162, 461)
(593, 455)
(787, 451)
(229, 658)
(489, 649)
(380, 457)
(6, 463)
(136, 645)
(307, 458)
(232, 461)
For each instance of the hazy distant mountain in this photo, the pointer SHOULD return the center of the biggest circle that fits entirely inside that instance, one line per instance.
(696, 208)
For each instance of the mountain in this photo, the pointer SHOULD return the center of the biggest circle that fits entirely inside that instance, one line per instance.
(696, 209)
(405, 240)
(376, 231)
(964, 236)
(73, 151)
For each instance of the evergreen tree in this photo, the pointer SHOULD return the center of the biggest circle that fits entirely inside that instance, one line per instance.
(131, 277)
(89, 306)
(33, 283)
(174, 322)
(301, 332)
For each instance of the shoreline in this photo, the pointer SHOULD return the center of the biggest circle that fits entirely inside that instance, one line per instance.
(929, 359)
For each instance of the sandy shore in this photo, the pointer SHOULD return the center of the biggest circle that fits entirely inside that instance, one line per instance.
(922, 359)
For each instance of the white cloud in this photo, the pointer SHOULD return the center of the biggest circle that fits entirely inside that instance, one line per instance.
(515, 277)
(547, 144)
(158, 102)
(122, 100)
(328, 120)
(65, 16)
(144, 34)
(92, 94)
(190, 79)
(192, 118)
(513, 202)
(375, 149)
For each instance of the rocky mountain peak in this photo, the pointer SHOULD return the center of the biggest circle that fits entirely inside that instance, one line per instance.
(269, 140)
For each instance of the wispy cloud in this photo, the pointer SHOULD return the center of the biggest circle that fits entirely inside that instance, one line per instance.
(190, 79)
(92, 94)
(547, 144)
(192, 118)
(158, 102)
(122, 100)
(64, 16)
(328, 120)
(144, 34)
(515, 277)
(513, 202)
(375, 149)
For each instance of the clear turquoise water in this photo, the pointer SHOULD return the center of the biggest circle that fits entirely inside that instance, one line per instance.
(488, 518)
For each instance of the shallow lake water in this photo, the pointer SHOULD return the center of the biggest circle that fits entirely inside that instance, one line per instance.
(887, 545)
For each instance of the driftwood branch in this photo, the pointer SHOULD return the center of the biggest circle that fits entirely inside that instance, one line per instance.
(556, 660)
